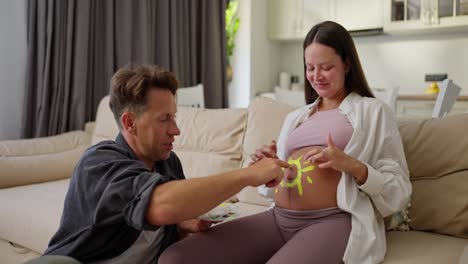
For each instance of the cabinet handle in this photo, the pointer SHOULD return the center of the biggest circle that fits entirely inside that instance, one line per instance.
(434, 16)
(426, 12)
(427, 16)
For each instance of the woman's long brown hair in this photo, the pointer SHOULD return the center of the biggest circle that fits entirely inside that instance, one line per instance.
(335, 36)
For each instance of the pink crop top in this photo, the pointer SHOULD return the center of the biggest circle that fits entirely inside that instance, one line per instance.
(314, 131)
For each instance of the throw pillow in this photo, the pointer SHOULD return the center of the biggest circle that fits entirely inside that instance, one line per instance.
(398, 221)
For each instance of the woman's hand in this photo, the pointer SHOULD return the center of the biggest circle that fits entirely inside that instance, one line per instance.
(335, 158)
(265, 151)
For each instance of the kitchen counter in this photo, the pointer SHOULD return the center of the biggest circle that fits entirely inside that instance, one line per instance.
(427, 97)
(422, 105)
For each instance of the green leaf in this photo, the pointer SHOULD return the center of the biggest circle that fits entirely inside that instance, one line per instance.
(232, 26)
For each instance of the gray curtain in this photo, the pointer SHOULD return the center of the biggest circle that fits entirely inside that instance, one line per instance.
(74, 47)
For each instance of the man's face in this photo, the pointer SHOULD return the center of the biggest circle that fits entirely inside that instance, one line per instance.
(156, 126)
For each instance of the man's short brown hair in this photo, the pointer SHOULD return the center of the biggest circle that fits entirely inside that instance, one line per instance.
(130, 85)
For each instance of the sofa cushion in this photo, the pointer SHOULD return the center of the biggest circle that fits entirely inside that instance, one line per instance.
(398, 221)
(37, 160)
(417, 247)
(31, 214)
(264, 123)
(442, 141)
(441, 205)
(12, 254)
(436, 151)
(210, 141)
(106, 127)
(464, 256)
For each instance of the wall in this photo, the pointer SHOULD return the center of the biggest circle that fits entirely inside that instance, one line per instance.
(255, 60)
(265, 59)
(12, 66)
(390, 60)
(239, 87)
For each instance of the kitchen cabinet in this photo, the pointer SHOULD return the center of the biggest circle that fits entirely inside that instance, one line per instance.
(292, 19)
(421, 106)
(314, 12)
(358, 15)
(407, 16)
(282, 19)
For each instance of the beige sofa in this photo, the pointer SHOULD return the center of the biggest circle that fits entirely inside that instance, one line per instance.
(34, 177)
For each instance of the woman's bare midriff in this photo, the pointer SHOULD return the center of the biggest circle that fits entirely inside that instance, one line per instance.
(310, 188)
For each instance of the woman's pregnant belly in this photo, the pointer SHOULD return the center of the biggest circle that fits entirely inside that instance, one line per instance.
(306, 186)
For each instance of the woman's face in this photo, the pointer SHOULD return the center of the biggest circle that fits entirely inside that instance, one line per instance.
(325, 71)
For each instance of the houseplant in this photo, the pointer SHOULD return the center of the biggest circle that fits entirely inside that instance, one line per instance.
(232, 25)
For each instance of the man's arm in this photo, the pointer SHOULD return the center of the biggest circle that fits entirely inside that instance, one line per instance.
(176, 201)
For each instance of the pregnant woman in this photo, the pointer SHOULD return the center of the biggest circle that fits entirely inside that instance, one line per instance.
(348, 171)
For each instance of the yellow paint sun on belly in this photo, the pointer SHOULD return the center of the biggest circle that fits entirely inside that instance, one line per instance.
(297, 182)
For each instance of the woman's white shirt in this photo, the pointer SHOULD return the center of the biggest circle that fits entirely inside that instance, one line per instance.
(377, 143)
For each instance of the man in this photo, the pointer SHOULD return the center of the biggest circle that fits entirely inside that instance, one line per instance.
(128, 200)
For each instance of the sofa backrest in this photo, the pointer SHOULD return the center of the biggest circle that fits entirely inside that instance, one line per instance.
(106, 128)
(437, 154)
(28, 161)
(210, 140)
(266, 117)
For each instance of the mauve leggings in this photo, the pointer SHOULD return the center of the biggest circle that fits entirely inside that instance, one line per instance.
(275, 236)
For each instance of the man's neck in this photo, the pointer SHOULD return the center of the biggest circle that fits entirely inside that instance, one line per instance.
(132, 144)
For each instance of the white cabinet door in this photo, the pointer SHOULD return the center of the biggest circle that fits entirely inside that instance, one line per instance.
(292, 19)
(314, 12)
(283, 21)
(359, 14)
(408, 16)
(453, 14)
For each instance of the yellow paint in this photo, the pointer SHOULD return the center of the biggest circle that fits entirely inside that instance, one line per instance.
(297, 181)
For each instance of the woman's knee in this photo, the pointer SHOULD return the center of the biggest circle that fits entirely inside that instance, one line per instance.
(173, 256)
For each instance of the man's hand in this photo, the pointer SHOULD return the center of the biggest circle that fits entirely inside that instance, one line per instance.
(265, 151)
(193, 226)
(267, 171)
(290, 174)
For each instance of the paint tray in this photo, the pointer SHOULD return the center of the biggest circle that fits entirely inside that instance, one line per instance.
(222, 212)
